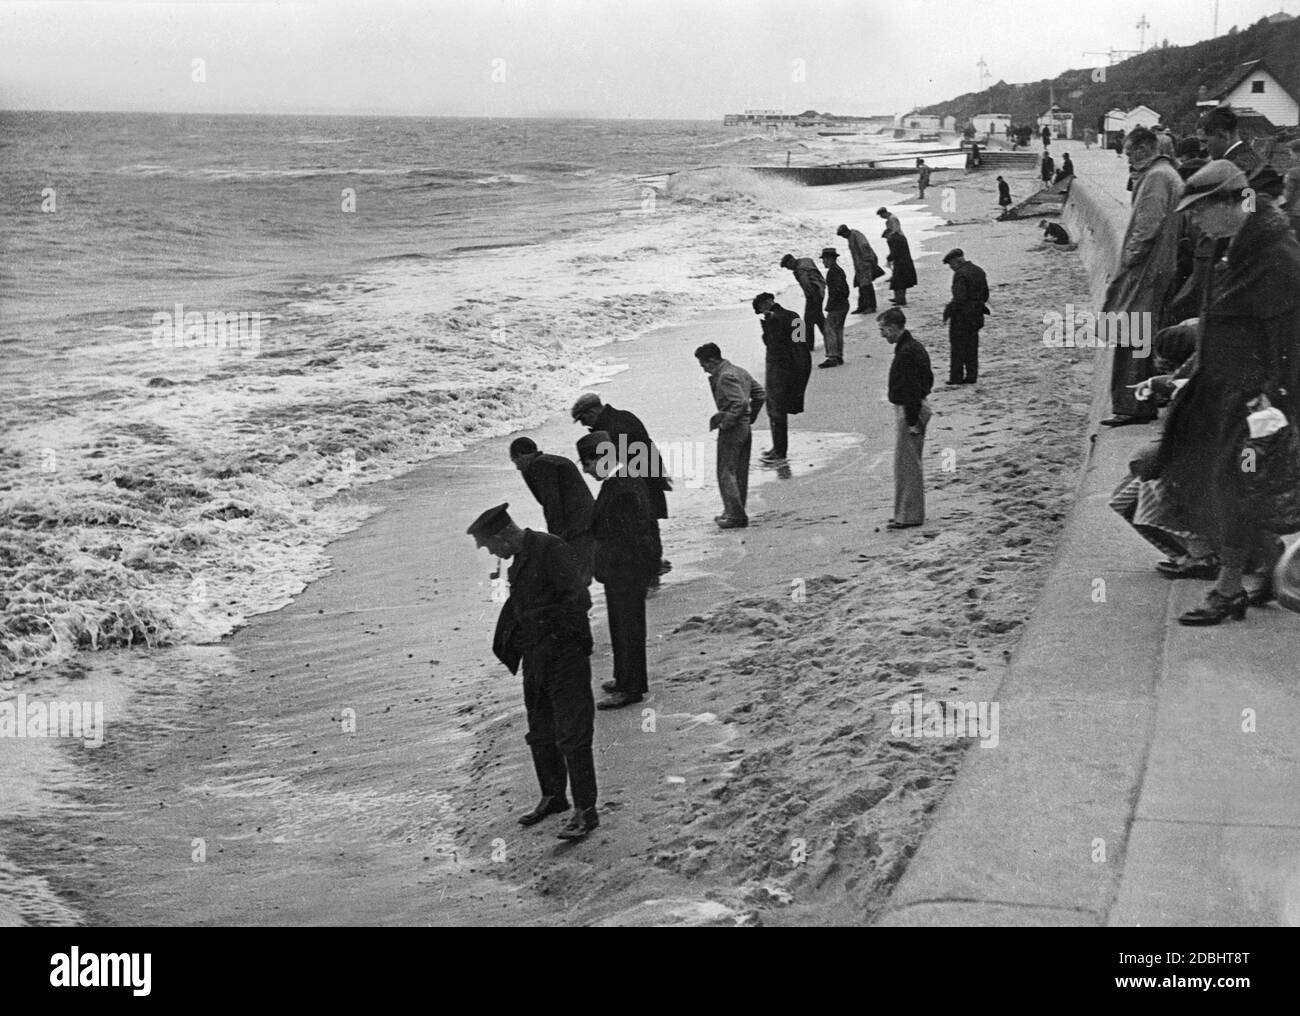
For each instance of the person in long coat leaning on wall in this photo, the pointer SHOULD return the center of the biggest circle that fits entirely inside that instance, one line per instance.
(1148, 270)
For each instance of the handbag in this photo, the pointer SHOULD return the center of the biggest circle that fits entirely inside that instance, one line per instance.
(1270, 469)
(876, 272)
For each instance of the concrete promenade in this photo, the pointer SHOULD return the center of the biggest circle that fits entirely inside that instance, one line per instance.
(1147, 773)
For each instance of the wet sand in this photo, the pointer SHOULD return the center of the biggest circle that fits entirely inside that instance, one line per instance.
(758, 783)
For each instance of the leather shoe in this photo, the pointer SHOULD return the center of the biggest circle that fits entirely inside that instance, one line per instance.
(1127, 421)
(546, 806)
(733, 523)
(891, 524)
(582, 822)
(619, 699)
(609, 686)
(1190, 570)
(1216, 609)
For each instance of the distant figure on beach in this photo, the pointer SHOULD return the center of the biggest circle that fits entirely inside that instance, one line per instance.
(973, 160)
(866, 268)
(910, 384)
(739, 399)
(813, 285)
(892, 225)
(903, 275)
(837, 308)
(1047, 168)
(565, 498)
(964, 315)
(634, 445)
(788, 367)
(922, 178)
(1148, 269)
(1054, 233)
(544, 626)
(1047, 137)
(1119, 144)
(1004, 194)
(1066, 171)
(627, 562)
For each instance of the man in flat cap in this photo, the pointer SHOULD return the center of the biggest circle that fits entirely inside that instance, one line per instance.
(544, 625)
(627, 559)
(564, 496)
(813, 286)
(837, 308)
(965, 316)
(635, 450)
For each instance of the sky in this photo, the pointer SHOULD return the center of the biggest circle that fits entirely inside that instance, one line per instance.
(671, 59)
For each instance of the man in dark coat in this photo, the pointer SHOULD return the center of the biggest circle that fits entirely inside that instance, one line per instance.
(814, 293)
(922, 178)
(544, 625)
(635, 448)
(866, 268)
(1148, 270)
(1048, 167)
(903, 271)
(837, 308)
(789, 365)
(627, 559)
(1066, 171)
(965, 314)
(1004, 194)
(910, 383)
(564, 496)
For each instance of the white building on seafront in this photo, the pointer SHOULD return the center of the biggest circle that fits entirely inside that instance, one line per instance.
(1252, 86)
(991, 123)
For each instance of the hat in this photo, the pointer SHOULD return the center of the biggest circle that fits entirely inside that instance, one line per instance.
(787, 261)
(842, 231)
(490, 523)
(953, 254)
(589, 444)
(830, 252)
(1214, 177)
(588, 401)
(882, 211)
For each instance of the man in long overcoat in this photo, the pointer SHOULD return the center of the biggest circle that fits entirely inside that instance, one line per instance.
(789, 365)
(866, 268)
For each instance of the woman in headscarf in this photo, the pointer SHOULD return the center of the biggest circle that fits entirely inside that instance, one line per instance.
(1248, 360)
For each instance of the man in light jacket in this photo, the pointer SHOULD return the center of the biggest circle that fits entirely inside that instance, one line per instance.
(739, 399)
(866, 268)
(813, 284)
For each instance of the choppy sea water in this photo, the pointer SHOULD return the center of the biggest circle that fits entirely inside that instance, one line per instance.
(396, 289)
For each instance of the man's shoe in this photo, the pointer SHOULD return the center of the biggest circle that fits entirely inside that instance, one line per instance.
(1127, 421)
(609, 686)
(618, 700)
(828, 362)
(891, 524)
(733, 523)
(546, 806)
(1216, 609)
(771, 456)
(583, 821)
(1189, 569)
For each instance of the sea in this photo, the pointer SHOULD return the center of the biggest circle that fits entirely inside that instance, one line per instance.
(211, 327)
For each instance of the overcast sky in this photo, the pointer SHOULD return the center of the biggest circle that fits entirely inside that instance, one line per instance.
(639, 58)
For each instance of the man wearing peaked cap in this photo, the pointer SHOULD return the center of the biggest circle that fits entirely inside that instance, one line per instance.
(965, 317)
(543, 624)
(837, 308)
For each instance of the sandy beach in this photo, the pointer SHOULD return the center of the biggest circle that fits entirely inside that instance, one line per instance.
(291, 777)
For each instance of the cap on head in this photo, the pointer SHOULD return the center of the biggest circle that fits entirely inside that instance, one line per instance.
(953, 255)
(1216, 177)
(589, 400)
(787, 261)
(882, 211)
(830, 252)
(842, 231)
(490, 523)
(589, 445)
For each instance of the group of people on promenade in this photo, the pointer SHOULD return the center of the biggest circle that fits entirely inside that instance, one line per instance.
(614, 538)
(1210, 265)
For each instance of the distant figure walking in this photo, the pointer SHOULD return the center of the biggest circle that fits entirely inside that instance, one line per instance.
(1004, 194)
(565, 498)
(1066, 171)
(627, 561)
(739, 399)
(965, 317)
(1147, 273)
(866, 268)
(788, 367)
(910, 384)
(1047, 168)
(837, 308)
(922, 178)
(813, 285)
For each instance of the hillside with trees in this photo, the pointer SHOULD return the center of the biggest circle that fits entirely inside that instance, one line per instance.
(1166, 78)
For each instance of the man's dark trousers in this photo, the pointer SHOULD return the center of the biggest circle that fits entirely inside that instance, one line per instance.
(561, 717)
(626, 604)
(963, 352)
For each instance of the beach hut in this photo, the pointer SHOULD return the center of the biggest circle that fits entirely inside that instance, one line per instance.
(991, 123)
(1252, 86)
(1061, 121)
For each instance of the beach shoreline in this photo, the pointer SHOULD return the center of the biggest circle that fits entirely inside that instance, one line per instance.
(430, 816)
